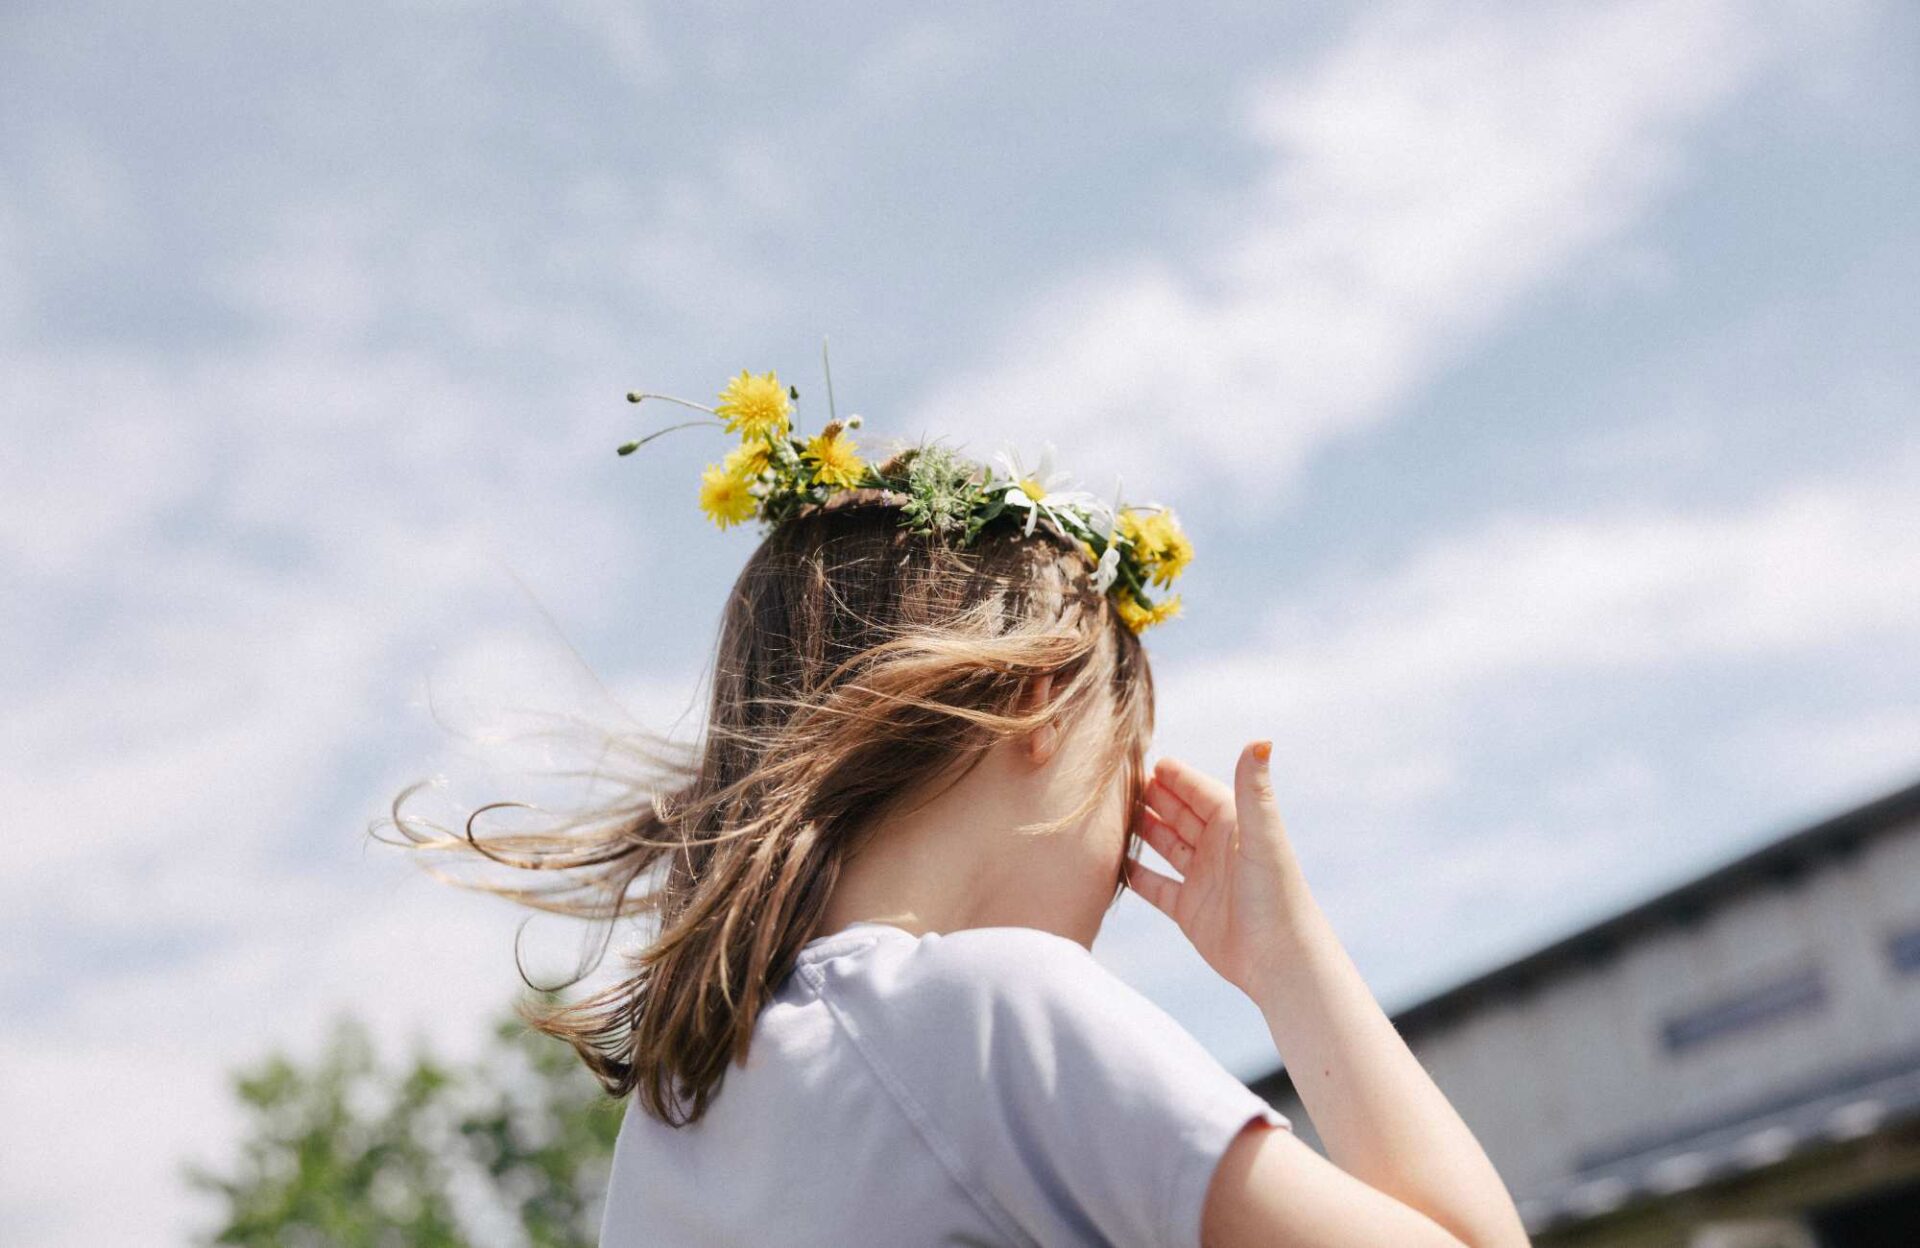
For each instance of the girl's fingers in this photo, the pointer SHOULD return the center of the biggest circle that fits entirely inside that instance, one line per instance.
(1159, 890)
(1253, 785)
(1205, 796)
(1166, 842)
(1173, 812)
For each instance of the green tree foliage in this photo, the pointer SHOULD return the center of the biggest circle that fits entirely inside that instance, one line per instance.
(510, 1149)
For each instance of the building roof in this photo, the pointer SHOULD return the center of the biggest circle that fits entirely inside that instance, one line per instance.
(1779, 861)
(1833, 1107)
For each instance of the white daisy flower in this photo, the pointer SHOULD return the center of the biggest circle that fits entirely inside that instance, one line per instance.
(1107, 570)
(1038, 490)
(1036, 482)
(1102, 517)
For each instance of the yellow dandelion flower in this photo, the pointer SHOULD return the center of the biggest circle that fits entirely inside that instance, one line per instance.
(755, 406)
(1140, 616)
(1135, 614)
(1172, 551)
(834, 458)
(724, 496)
(1158, 542)
(748, 460)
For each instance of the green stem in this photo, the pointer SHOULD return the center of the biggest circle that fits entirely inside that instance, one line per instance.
(833, 413)
(630, 447)
(636, 396)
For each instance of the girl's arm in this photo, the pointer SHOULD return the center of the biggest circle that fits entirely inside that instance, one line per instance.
(1404, 1168)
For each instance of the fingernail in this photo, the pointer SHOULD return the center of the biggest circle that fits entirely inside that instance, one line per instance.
(1263, 750)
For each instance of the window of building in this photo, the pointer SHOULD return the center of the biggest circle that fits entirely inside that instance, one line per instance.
(1904, 949)
(1789, 996)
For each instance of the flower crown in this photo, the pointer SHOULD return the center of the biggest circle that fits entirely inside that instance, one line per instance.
(1136, 551)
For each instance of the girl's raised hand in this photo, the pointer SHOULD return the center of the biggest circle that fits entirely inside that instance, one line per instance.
(1400, 1167)
(1239, 878)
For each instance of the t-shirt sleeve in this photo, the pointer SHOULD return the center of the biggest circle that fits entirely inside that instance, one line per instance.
(1074, 1104)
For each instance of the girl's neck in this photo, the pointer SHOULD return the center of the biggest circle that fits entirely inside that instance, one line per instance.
(960, 859)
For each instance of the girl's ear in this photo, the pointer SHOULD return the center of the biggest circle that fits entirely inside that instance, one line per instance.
(1043, 741)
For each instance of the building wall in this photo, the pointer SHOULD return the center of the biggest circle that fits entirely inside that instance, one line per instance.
(1670, 1028)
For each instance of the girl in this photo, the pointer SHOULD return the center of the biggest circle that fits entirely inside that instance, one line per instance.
(866, 1012)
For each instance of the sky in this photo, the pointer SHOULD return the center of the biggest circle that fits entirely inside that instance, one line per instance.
(1537, 382)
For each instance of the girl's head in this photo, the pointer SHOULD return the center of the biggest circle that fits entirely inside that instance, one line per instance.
(862, 670)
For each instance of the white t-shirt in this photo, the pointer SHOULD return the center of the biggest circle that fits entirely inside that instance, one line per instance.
(991, 1086)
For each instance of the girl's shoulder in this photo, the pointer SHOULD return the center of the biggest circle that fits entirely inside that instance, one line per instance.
(1009, 959)
(1006, 998)
(1005, 966)
(1054, 1092)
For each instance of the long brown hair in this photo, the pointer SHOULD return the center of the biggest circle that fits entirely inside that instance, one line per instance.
(858, 663)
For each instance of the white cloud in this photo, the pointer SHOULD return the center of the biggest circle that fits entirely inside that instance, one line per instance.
(1364, 677)
(907, 65)
(1390, 699)
(315, 273)
(16, 291)
(86, 194)
(1429, 171)
(623, 32)
(1379, 693)
(239, 565)
(1834, 755)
